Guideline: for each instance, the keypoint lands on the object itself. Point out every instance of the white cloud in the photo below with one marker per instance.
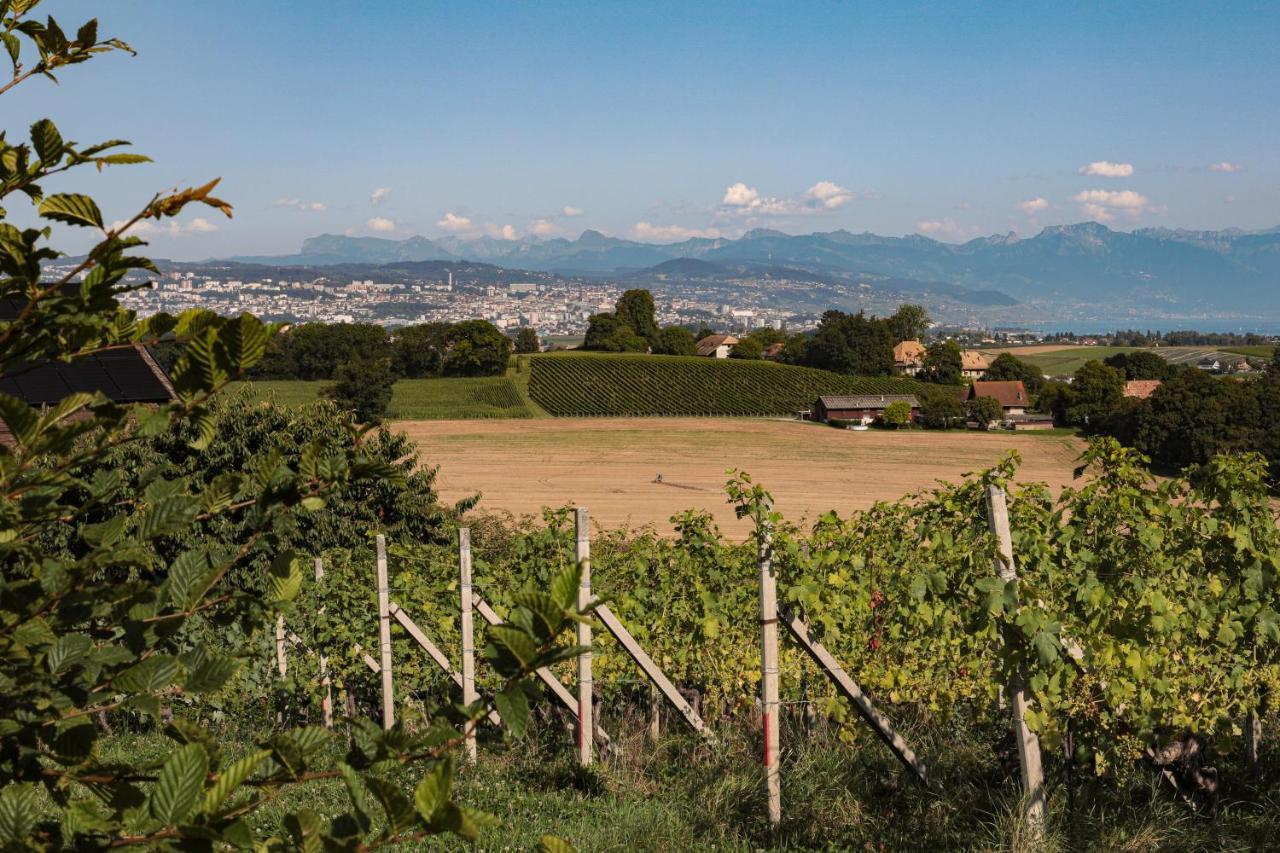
(941, 228)
(1224, 166)
(1104, 205)
(455, 224)
(1107, 169)
(741, 195)
(502, 232)
(1033, 205)
(299, 204)
(381, 224)
(669, 233)
(168, 228)
(742, 200)
(543, 228)
(570, 210)
(379, 195)
(830, 195)
(964, 205)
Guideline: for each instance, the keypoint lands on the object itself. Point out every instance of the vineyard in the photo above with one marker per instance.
(640, 385)
(1138, 618)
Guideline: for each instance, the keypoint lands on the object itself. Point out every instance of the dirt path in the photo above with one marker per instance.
(609, 465)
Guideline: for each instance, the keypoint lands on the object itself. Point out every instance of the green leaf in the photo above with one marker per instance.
(154, 673)
(564, 587)
(47, 142)
(209, 671)
(69, 649)
(285, 579)
(18, 813)
(22, 420)
(72, 209)
(179, 784)
(514, 640)
(554, 844)
(232, 778)
(400, 814)
(307, 829)
(513, 707)
(432, 792)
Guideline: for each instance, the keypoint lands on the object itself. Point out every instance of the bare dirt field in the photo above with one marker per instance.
(609, 465)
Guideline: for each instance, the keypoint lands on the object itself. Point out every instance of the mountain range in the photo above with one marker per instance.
(1063, 267)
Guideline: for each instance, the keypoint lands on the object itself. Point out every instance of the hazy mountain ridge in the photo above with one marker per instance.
(1085, 263)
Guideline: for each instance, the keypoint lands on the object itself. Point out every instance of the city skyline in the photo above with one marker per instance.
(662, 122)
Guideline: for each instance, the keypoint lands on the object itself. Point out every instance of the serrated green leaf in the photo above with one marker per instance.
(231, 778)
(432, 792)
(513, 707)
(179, 784)
(47, 142)
(284, 581)
(18, 813)
(72, 209)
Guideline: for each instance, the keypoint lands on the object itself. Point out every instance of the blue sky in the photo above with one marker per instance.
(661, 120)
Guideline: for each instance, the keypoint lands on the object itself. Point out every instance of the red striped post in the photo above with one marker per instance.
(769, 704)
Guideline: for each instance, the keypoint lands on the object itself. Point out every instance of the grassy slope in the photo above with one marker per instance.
(417, 399)
(599, 384)
(1068, 359)
(1263, 351)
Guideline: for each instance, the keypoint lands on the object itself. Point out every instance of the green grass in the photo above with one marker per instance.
(416, 399)
(1068, 359)
(839, 792)
(1263, 351)
(598, 384)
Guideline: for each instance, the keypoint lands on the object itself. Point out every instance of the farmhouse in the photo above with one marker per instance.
(716, 346)
(127, 375)
(908, 357)
(860, 408)
(1011, 395)
(1141, 389)
(973, 364)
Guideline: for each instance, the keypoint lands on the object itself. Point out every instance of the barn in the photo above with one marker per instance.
(860, 408)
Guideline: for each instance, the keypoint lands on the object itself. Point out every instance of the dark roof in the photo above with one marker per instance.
(866, 401)
(1010, 393)
(128, 375)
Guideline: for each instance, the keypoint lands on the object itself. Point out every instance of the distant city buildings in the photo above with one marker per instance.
(556, 307)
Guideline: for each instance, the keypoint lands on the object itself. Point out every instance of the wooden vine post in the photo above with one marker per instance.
(769, 704)
(469, 694)
(326, 681)
(384, 635)
(582, 553)
(1033, 789)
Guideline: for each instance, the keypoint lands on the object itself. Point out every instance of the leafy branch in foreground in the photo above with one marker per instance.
(104, 620)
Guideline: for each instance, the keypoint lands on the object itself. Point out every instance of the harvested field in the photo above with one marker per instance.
(609, 464)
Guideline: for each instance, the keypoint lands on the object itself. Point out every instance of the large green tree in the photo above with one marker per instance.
(477, 348)
(420, 350)
(1008, 367)
(363, 388)
(635, 309)
(943, 363)
(909, 323)
(1096, 392)
(676, 340)
(851, 343)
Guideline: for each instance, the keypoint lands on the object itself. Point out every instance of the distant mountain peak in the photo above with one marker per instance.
(761, 233)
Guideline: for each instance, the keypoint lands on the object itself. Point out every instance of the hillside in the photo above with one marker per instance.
(580, 384)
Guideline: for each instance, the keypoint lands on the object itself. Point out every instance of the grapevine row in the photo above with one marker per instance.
(643, 385)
